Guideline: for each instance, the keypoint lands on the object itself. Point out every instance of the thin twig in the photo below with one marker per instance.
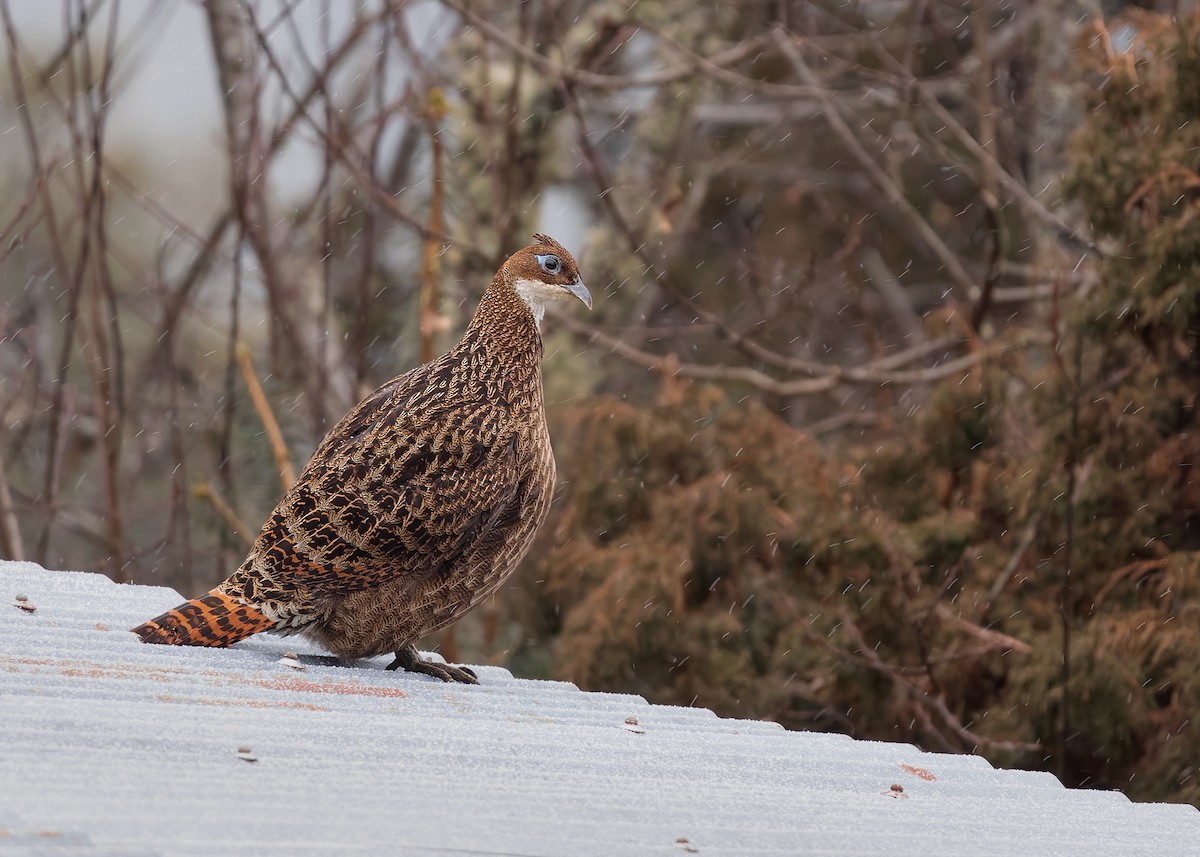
(991, 638)
(287, 475)
(205, 491)
(1014, 562)
(108, 353)
(1067, 595)
(656, 270)
(431, 319)
(234, 36)
(935, 705)
(882, 180)
(608, 82)
(869, 374)
(893, 294)
(58, 254)
(10, 533)
(1028, 202)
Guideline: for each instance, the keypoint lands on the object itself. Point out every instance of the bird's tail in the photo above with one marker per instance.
(215, 619)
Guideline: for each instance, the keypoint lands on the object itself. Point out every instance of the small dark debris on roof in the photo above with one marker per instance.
(21, 602)
(289, 659)
(631, 724)
(245, 755)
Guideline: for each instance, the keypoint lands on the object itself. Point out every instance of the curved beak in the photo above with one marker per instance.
(579, 290)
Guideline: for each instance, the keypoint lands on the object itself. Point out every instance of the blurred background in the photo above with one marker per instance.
(885, 419)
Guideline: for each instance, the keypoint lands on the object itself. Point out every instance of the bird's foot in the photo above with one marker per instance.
(410, 661)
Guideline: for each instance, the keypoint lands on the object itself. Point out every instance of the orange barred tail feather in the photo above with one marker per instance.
(215, 619)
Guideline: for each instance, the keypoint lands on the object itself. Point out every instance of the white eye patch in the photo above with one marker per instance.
(549, 263)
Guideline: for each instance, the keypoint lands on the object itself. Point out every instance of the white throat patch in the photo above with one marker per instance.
(536, 295)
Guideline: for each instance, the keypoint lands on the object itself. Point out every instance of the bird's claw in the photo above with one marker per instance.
(409, 661)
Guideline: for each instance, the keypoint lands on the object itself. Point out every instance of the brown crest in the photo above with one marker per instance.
(543, 238)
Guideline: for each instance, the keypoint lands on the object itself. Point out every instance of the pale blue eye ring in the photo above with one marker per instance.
(550, 264)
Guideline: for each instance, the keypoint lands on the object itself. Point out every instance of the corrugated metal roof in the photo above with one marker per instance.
(109, 746)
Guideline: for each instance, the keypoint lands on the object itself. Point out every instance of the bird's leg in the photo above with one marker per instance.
(408, 659)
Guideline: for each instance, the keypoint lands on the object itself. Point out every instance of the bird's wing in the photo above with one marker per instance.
(399, 489)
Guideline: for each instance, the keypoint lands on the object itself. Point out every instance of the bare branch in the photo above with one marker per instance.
(590, 80)
(204, 491)
(10, 533)
(884, 182)
(287, 475)
(870, 373)
(935, 705)
(893, 295)
(49, 496)
(1029, 203)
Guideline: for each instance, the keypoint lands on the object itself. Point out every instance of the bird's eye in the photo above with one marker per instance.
(550, 264)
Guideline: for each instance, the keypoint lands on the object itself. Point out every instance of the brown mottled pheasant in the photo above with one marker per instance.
(418, 504)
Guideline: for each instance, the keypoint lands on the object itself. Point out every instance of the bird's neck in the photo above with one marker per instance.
(500, 353)
(498, 361)
(504, 325)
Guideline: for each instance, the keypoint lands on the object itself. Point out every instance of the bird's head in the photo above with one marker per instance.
(544, 273)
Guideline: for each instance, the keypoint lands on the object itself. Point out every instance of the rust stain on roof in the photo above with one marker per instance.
(300, 685)
(216, 678)
(238, 703)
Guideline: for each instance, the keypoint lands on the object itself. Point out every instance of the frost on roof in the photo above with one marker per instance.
(109, 746)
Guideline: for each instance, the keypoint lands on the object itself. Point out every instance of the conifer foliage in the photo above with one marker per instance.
(1015, 571)
(885, 419)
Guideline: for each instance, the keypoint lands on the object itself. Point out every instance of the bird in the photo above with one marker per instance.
(416, 505)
